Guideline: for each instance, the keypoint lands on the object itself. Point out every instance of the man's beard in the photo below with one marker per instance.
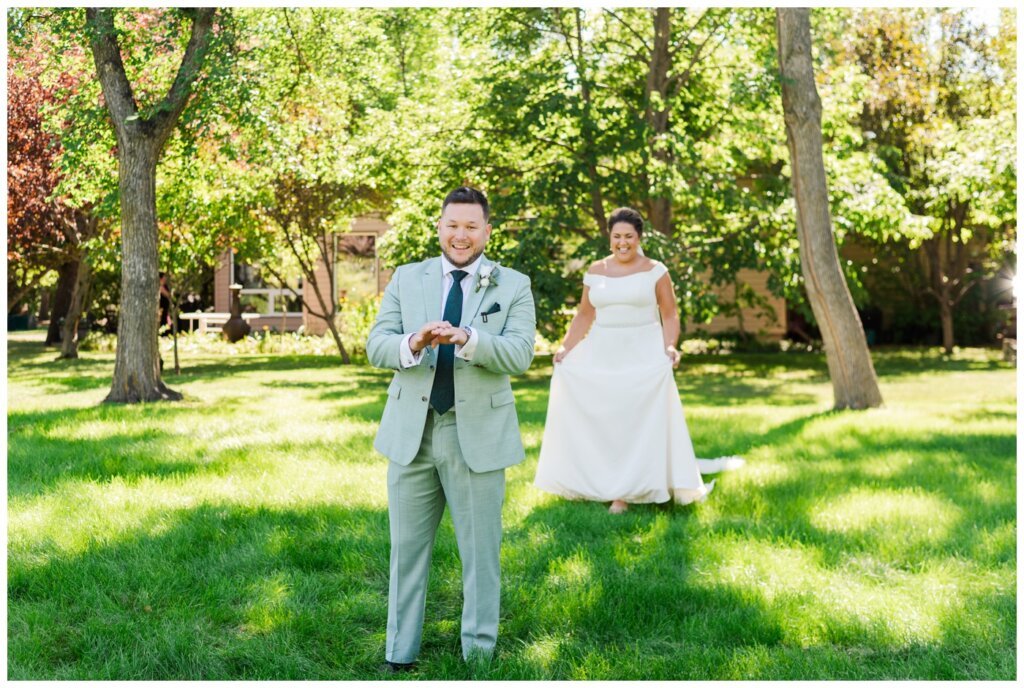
(462, 265)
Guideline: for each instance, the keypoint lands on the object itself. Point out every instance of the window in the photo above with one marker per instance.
(265, 296)
(356, 267)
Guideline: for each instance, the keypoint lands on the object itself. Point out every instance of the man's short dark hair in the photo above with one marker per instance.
(465, 194)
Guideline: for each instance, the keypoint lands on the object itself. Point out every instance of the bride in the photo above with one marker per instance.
(615, 429)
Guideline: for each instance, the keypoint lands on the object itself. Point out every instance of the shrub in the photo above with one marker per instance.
(354, 323)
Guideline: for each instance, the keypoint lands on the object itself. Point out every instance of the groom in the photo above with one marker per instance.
(453, 328)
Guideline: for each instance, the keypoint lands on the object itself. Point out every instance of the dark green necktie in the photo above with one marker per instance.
(442, 395)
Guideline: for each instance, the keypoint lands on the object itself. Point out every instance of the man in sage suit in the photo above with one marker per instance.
(454, 328)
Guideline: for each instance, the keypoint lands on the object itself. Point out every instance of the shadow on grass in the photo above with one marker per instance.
(943, 496)
(905, 361)
(721, 392)
(273, 363)
(30, 361)
(79, 374)
(591, 596)
(43, 451)
(224, 592)
(36, 466)
(585, 584)
(235, 592)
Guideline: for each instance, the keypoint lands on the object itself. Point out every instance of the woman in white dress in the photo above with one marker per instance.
(615, 428)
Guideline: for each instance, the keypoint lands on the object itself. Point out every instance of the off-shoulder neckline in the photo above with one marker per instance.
(657, 264)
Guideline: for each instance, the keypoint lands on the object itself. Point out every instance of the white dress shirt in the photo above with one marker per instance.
(406, 356)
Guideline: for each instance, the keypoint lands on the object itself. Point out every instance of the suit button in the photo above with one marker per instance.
(431, 367)
(423, 398)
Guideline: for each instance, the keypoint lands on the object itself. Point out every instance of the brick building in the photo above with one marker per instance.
(358, 273)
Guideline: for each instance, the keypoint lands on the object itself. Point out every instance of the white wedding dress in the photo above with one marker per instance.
(615, 427)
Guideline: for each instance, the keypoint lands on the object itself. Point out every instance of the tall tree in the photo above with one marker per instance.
(854, 382)
(305, 213)
(937, 112)
(322, 134)
(566, 113)
(681, 40)
(51, 223)
(201, 219)
(141, 135)
(35, 241)
(80, 232)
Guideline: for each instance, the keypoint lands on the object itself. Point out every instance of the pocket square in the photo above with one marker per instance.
(495, 308)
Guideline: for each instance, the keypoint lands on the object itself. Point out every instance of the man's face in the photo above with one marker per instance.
(463, 233)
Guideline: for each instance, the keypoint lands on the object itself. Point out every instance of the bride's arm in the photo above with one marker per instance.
(579, 326)
(669, 316)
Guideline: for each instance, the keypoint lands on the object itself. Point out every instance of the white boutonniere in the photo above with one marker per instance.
(485, 277)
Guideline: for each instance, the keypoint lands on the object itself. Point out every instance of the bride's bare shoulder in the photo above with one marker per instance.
(598, 267)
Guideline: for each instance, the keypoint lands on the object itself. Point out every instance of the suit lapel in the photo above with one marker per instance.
(432, 279)
(476, 296)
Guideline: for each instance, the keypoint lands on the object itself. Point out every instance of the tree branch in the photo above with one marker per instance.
(106, 54)
(684, 76)
(298, 52)
(629, 28)
(280, 279)
(578, 63)
(172, 105)
(630, 52)
(686, 37)
(534, 27)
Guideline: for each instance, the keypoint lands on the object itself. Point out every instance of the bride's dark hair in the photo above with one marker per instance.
(627, 215)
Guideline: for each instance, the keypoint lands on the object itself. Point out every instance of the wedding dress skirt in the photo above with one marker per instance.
(615, 427)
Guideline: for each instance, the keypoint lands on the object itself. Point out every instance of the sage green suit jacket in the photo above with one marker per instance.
(485, 413)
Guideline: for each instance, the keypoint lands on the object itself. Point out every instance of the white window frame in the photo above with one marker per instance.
(271, 294)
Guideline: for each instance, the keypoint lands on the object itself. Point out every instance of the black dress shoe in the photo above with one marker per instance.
(397, 667)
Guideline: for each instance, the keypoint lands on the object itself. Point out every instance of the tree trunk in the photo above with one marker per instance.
(140, 141)
(137, 364)
(946, 265)
(44, 305)
(79, 299)
(328, 311)
(337, 340)
(854, 383)
(588, 127)
(737, 296)
(174, 327)
(656, 113)
(946, 316)
(312, 275)
(67, 275)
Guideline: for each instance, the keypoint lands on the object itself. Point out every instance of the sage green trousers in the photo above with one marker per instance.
(417, 495)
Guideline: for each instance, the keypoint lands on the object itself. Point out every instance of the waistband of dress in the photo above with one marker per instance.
(627, 325)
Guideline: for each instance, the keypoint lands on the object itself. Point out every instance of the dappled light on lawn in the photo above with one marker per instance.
(906, 518)
(859, 601)
(268, 606)
(243, 532)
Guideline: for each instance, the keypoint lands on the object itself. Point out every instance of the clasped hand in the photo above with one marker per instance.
(438, 332)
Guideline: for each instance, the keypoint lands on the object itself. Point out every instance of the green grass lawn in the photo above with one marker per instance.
(243, 532)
